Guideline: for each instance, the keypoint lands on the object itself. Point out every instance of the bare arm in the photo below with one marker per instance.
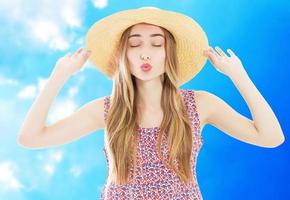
(35, 134)
(222, 116)
(264, 130)
(34, 122)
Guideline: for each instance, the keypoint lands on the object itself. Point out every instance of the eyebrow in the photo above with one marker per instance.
(152, 35)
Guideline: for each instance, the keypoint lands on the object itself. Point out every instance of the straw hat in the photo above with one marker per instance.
(103, 37)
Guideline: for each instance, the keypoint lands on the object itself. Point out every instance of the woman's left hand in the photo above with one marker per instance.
(230, 66)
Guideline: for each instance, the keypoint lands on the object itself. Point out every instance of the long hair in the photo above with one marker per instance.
(122, 118)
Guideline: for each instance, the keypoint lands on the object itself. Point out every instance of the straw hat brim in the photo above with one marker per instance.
(104, 35)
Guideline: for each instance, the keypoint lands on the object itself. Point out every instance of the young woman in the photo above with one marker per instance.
(152, 128)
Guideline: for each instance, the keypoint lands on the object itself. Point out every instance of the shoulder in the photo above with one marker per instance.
(208, 100)
(93, 113)
(203, 96)
(205, 105)
(99, 108)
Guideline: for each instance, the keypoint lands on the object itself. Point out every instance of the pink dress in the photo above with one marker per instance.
(153, 179)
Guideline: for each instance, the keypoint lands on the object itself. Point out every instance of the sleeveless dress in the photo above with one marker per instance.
(153, 179)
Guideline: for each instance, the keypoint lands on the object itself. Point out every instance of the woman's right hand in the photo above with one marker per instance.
(70, 64)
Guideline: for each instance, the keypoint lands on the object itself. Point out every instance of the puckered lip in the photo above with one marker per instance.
(146, 65)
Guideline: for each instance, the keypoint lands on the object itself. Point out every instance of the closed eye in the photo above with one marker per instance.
(152, 45)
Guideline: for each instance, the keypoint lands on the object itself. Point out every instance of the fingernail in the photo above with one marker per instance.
(88, 53)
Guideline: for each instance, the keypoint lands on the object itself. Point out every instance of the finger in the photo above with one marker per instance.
(215, 56)
(78, 51)
(212, 57)
(214, 52)
(68, 54)
(220, 51)
(206, 53)
(89, 53)
(86, 53)
(231, 52)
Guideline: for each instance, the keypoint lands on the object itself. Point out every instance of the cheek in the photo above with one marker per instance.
(160, 57)
(163, 55)
(132, 57)
(133, 61)
(160, 52)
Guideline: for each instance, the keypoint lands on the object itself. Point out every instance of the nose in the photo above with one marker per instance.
(144, 57)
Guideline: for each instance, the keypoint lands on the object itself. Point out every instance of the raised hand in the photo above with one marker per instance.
(228, 65)
(70, 64)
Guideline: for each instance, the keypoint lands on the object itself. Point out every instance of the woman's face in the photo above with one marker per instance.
(148, 41)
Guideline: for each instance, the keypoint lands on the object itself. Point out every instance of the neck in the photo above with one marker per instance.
(149, 94)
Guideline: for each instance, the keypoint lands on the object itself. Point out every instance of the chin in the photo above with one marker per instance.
(146, 77)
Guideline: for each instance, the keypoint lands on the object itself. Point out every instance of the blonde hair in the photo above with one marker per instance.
(122, 117)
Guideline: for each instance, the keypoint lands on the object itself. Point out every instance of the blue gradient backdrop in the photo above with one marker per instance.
(34, 35)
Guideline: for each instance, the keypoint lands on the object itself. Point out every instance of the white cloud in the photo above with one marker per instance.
(41, 83)
(90, 65)
(49, 32)
(57, 156)
(75, 171)
(50, 161)
(43, 21)
(28, 92)
(81, 78)
(69, 15)
(7, 81)
(8, 178)
(11, 11)
(49, 169)
(73, 91)
(61, 109)
(31, 91)
(80, 42)
(100, 3)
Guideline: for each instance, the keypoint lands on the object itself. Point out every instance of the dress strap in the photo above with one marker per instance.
(106, 106)
(190, 104)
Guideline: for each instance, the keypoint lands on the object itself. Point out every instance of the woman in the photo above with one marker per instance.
(152, 128)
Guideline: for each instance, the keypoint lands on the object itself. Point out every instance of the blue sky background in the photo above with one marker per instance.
(34, 34)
